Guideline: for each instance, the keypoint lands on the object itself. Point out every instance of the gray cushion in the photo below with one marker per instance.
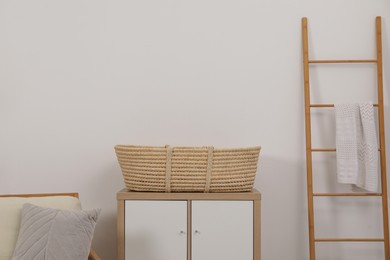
(11, 213)
(47, 233)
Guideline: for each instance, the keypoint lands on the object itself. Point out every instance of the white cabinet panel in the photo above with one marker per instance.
(222, 230)
(155, 230)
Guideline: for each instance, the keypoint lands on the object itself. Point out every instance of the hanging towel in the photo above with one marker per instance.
(368, 150)
(356, 146)
(347, 119)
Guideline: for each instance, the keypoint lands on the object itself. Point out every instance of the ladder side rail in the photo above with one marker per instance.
(382, 145)
(310, 205)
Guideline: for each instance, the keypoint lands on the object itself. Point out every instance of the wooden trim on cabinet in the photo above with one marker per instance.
(121, 230)
(133, 195)
(256, 230)
(189, 229)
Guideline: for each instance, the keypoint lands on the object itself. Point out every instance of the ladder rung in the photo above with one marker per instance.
(342, 61)
(349, 240)
(327, 149)
(330, 105)
(346, 194)
(324, 150)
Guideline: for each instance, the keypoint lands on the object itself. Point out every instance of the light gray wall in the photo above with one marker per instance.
(78, 77)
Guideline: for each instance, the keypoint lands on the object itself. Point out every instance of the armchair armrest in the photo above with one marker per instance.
(93, 255)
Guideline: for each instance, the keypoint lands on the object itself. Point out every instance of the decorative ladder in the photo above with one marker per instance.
(310, 150)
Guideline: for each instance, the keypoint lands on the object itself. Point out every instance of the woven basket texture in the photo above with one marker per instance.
(187, 169)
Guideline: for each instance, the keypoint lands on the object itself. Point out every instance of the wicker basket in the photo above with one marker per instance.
(187, 169)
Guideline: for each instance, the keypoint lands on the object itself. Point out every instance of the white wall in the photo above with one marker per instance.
(78, 77)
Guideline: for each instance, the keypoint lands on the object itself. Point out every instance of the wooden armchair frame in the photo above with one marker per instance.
(92, 253)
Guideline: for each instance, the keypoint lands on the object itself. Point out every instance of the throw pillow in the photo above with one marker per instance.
(47, 233)
(10, 216)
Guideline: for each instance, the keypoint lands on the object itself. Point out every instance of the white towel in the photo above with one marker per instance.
(356, 146)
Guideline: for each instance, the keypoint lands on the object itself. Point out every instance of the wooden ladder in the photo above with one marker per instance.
(309, 150)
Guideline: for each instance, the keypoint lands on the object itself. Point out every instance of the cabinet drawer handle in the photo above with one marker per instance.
(182, 232)
(197, 231)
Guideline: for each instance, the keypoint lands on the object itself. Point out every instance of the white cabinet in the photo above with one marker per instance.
(156, 230)
(222, 230)
(188, 226)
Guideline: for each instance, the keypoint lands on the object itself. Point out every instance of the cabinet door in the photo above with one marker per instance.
(155, 230)
(222, 230)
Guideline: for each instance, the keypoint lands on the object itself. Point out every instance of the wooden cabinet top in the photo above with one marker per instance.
(125, 194)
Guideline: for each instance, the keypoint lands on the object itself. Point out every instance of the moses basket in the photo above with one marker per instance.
(187, 169)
